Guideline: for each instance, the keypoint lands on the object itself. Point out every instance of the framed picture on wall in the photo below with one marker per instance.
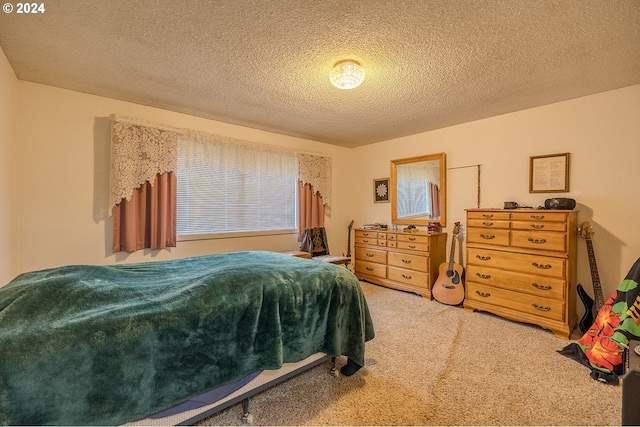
(381, 190)
(549, 174)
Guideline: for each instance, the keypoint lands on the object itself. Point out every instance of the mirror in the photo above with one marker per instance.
(418, 190)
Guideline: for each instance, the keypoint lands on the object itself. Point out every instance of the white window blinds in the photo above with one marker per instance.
(234, 187)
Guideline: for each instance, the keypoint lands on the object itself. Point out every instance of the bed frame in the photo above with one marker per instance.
(264, 381)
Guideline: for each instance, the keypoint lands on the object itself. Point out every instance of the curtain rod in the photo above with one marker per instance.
(201, 134)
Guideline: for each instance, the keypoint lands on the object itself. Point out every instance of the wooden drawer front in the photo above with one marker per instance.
(382, 236)
(487, 223)
(392, 244)
(371, 268)
(490, 237)
(366, 234)
(422, 247)
(539, 306)
(382, 243)
(544, 240)
(523, 263)
(372, 255)
(410, 277)
(489, 215)
(539, 216)
(413, 238)
(538, 225)
(537, 285)
(391, 236)
(412, 262)
(366, 241)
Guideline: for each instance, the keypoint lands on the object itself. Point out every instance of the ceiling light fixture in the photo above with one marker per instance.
(347, 74)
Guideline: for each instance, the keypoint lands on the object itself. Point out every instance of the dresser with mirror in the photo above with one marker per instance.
(408, 258)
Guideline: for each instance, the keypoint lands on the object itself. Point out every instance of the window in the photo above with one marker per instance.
(227, 188)
(416, 198)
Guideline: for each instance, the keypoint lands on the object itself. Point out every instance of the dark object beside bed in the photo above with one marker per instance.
(617, 323)
(112, 344)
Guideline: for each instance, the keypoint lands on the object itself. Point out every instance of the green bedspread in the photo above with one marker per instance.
(111, 344)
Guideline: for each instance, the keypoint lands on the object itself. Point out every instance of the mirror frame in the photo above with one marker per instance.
(443, 189)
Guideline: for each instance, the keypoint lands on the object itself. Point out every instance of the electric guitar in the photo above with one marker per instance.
(347, 250)
(448, 288)
(590, 309)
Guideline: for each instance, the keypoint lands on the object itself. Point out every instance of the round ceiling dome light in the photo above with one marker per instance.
(347, 74)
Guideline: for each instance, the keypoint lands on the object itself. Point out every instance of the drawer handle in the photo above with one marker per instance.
(537, 226)
(365, 234)
(483, 276)
(369, 255)
(541, 266)
(487, 224)
(365, 241)
(412, 246)
(537, 241)
(487, 215)
(412, 239)
(483, 294)
(483, 258)
(406, 261)
(541, 287)
(407, 277)
(537, 216)
(369, 268)
(541, 308)
(488, 236)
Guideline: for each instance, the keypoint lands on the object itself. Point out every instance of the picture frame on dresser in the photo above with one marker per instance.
(381, 190)
(549, 173)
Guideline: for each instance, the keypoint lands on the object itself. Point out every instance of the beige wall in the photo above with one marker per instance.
(602, 133)
(8, 138)
(62, 171)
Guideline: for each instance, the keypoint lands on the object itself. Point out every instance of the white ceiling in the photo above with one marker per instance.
(265, 64)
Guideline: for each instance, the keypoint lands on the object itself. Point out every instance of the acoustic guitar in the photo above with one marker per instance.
(448, 288)
(591, 306)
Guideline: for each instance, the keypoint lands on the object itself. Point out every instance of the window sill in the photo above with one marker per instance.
(235, 235)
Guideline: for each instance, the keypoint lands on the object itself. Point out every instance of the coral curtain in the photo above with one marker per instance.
(311, 208)
(435, 200)
(148, 219)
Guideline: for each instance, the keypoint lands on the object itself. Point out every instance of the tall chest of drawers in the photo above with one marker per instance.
(399, 260)
(521, 264)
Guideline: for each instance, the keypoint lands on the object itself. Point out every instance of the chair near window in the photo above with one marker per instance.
(314, 241)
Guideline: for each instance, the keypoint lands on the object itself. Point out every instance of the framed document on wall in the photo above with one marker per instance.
(549, 174)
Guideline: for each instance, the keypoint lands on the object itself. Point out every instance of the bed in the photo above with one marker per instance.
(107, 345)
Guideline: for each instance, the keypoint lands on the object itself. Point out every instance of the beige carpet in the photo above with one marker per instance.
(432, 364)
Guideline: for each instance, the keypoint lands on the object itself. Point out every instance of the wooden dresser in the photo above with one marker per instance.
(399, 260)
(521, 264)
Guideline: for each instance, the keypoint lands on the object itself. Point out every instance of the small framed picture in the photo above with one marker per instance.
(549, 174)
(381, 190)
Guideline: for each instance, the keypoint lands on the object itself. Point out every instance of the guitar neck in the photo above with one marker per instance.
(453, 252)
(598, 297)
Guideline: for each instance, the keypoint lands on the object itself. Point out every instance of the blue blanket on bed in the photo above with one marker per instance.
(111, 344)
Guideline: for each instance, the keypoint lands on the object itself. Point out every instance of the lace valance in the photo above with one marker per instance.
(316, 170)
(219, 152)
(138, 154)
(140, 151)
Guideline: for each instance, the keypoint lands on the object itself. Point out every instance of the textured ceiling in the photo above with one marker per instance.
(265, 64)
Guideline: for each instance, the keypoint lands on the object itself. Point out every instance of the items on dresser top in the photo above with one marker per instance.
(522, 265)
(399, 260)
